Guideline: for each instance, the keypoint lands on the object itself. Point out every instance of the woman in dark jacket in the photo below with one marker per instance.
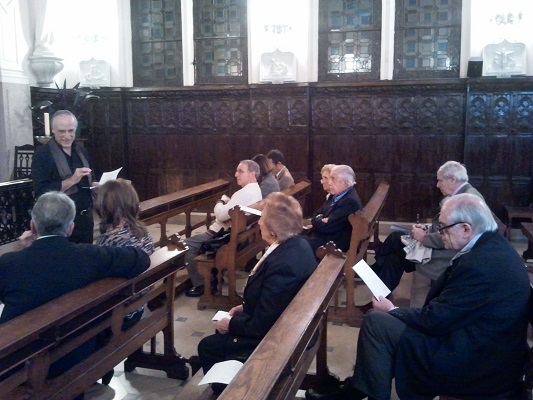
(271, 286)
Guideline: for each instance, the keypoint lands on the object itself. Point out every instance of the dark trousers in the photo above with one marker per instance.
(390, 261)
(376, 351)
(216, 348)
(83, 227)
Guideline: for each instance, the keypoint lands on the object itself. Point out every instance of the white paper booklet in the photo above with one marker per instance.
(107, 176)
(376, 285)
(250, 210)
(222, 372)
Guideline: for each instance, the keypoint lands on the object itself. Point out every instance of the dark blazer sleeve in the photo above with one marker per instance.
(44, 172)
(272, 289)
(118, 262)
(338, 216)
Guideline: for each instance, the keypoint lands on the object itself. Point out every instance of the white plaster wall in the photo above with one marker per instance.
(97, 29)
(484, 29)
(15, 116)
(294, 19)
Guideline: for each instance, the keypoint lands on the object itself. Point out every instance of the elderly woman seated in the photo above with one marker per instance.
(272, 284)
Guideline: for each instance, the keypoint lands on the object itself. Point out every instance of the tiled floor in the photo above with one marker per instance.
(191, 325)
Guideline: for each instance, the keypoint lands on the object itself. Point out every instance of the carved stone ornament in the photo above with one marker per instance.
(504, 59)
(45, 68)
(94, 73)
(277, 67)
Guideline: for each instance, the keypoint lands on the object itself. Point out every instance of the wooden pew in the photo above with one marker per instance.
(279, 365)
(362, 233)
(244, 245)
(160, 209)
(30, 343)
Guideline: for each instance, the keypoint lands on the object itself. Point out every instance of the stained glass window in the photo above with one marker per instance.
(427, 41)
(349, 40)
(220, 41)
(156, 42)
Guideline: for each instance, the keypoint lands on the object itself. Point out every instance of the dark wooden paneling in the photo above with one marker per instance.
(499, 140)
(402, 131)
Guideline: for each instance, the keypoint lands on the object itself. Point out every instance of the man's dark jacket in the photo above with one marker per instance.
(469, 339)
(53, 266)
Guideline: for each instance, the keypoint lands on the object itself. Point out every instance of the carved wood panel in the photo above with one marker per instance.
(499, 143)
(400, 133)
(169, 139)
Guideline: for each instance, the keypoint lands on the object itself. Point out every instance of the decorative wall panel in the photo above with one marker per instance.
(16, 202)
(174, 138)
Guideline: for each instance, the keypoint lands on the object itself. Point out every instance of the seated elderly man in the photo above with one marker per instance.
(391, 261)
(52, 266)
(330, 222)
(246, 174)
(469, 340)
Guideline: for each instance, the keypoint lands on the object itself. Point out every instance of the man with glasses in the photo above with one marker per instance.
(250, 192)
(469, 340)
(391, 262)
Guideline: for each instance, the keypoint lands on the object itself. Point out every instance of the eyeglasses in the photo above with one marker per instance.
(442, 228)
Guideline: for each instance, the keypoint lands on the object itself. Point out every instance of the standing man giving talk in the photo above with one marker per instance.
(63, 165)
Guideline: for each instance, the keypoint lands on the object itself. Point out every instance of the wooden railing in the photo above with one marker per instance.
(160, 209)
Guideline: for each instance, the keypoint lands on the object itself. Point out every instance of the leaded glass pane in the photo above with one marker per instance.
(220, 41)
(350, 39)
(427, 38)
(157, 54)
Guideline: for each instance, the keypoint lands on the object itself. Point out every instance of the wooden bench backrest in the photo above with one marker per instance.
(160, 209)
(279, 364)
(299, 191)
(360, 236)
(244, 245)
(244, 229)
(45, 334)
(363, 223)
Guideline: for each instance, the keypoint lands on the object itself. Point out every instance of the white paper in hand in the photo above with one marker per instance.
(376, 285)
(222, 372)
(107, 176)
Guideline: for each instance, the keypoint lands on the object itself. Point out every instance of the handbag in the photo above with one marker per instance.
(210, 247)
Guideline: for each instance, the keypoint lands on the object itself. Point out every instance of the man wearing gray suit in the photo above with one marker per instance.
(452, 179)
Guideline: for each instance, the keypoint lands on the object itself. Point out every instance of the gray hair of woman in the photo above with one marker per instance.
(327, 168)
(53, 213)
(282, 215)
(472, 210)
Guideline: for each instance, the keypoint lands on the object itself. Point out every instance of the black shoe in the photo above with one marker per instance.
(345, 392)
(106, 379)
(195, 291)
(195, 364)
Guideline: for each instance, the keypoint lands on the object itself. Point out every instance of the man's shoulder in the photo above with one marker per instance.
(42, 151)
(468, 188)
